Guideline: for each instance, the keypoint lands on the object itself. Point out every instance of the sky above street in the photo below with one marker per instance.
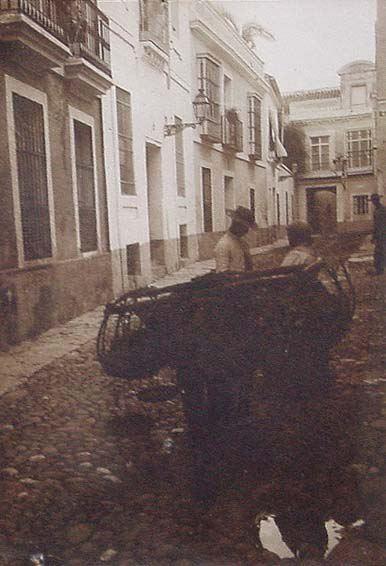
(313, 38)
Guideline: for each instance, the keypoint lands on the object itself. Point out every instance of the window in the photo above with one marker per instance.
(359, 149)
(278, 208)
(358, 95)
(209, 81)
(254, 126)
(32, 177)
(207, 199)
(320, 153)
(180, 164)
(125, 142)
(184, 252)
(133, 259)
(229, 194)
(85, 184)
(252, 202)
(360, 204)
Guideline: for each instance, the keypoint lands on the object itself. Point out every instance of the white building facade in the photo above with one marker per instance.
(336, 176)
(168, 194)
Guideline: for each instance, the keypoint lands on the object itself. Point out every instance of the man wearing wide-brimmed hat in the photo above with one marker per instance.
(232, 250)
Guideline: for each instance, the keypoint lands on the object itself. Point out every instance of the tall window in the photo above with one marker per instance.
(252, 202)
(125, 142)
(278, 208)
(207, 199)
(360, 205)
(133, 257)
(254, 126)
(320, 153)
(180, 162)
(183, 241)
(359, 148)
(209, 81)
(32, 177)
(85, 186)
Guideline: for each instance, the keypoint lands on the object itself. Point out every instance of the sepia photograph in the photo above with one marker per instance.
(192, 282)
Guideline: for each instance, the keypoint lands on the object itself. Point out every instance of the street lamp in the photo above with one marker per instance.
(201, 107)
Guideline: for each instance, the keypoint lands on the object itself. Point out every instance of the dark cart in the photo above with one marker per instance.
(217, 330)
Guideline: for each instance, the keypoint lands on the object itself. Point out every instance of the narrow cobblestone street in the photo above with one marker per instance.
(90, 474)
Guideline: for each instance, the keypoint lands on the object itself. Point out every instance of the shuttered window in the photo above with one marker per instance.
(32, 177)
(125, 142)
(207, 199)
(254, 126)
(85, 186)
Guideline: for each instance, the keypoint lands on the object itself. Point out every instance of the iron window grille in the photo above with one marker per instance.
(32, 178)
(360, 205)
(125, 142)
(85, 187)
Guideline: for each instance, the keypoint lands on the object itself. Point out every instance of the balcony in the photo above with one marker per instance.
(154, 31)
(232, 132)
(33, 33)
(43, 34)
(211, 131)
(89, 68)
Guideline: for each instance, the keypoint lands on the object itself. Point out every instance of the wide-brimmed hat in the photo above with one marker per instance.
(244, 215)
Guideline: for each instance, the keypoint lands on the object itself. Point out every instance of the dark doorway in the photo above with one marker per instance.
(321, 209)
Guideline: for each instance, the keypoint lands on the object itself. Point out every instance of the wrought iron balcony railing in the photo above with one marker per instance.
(79, 24)
(88, 33)
(50, 14)
(232, 131)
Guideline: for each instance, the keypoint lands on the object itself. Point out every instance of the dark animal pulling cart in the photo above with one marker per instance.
(217, 330)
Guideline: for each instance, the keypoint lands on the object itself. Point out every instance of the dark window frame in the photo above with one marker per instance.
(32, 172)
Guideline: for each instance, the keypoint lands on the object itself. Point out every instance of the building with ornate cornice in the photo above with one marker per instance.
(380, 113)
(237, 152)
(335, 169)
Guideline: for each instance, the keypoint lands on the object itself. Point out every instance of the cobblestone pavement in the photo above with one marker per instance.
(90, 474)
(23, 360)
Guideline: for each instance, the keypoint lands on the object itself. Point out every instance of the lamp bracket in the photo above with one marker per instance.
(173, 129)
